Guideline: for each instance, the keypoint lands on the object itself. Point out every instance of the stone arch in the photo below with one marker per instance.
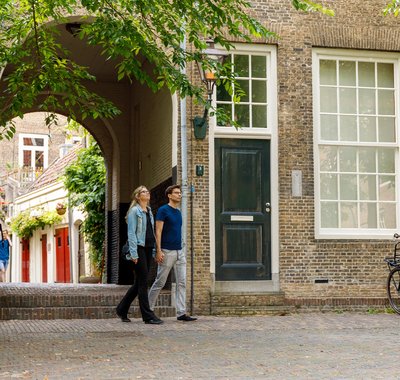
(136, 145)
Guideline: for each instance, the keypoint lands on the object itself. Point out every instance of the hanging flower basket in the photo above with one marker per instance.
(61, 209)
(24, 224)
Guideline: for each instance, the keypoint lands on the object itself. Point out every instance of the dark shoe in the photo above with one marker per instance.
(186, 318)
(124, 318)
(154, 322)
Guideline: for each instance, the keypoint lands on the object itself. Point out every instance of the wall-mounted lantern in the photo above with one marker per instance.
(209, 78)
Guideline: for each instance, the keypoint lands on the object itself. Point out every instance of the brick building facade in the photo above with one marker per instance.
(326, 267)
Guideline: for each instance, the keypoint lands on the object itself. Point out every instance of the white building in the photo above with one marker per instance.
(54, 253)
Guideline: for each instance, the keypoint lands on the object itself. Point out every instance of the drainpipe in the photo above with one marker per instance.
(184, 202)
(71, 242)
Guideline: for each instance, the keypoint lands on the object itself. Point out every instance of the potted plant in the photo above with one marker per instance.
(61, 208)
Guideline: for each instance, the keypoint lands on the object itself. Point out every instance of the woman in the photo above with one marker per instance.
(141, 247)
(5, 244)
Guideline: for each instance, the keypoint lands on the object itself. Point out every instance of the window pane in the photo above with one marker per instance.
(259, 91)
(28, 141)
(386, 160)
(27, 158)
(347, 159)
(39, 160)
(347, 73)
(228, 110)
(244, 86)
(387, 188)
(366, 101)
(368, 215)
(348, 187)
(367, 128)
(38, 142)
(367, 160)
(386, 102)
(385, 75)
(242, 115)
(328, 99)
(259, 116)
(329, 127)
(348, 215)
(258, 66)
(329, 215)
(347, 100)
(387, 215)
(241, 65)
(329, 186)
(348, 128)
(327, 72)
(387, 131)
(222, 94)
(368, 187)
(366, 74)
(328, 158)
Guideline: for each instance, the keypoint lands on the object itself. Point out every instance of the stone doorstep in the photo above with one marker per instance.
(248, 299)
(252, 310)
(277, 303)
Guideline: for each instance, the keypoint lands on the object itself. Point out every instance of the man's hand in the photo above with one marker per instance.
(159, 257)
(135, 261)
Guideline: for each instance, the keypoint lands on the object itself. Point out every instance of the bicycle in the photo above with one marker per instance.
(393, 280)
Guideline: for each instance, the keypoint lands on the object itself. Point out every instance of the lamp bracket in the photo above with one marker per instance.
(200, 125)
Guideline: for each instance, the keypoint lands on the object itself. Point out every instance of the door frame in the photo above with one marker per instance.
(271, 134)
(250, 286)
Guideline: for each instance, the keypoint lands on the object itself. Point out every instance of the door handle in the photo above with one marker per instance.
(268, 207)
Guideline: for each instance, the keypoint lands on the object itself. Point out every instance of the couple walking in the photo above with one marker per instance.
(167, 244)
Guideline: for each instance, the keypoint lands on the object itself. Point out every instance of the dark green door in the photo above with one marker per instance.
(242, 210)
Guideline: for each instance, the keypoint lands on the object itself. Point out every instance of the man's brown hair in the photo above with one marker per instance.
(171, 188)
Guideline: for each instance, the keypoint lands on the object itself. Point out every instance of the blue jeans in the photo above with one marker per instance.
(3, 265)
(176, 259)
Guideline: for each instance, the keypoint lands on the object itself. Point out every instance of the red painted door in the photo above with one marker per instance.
(25, 260)
(44, 258)
(63, 272)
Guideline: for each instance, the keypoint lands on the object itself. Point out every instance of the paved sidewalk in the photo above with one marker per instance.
(304, 346)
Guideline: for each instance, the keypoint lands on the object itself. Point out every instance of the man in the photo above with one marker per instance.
(169, 252)
(5, 244)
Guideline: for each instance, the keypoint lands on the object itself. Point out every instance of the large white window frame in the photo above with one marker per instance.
(380, 231)
(33, 149)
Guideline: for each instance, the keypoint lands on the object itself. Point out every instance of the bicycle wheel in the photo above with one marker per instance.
(393, 289)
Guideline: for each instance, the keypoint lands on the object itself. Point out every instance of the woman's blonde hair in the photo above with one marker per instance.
(135, 198)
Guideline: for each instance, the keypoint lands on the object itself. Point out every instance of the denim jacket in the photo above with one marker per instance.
(137, 229)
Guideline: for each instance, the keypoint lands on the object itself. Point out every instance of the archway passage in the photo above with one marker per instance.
(137, 145)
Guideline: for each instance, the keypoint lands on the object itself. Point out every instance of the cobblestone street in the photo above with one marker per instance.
(304, 346)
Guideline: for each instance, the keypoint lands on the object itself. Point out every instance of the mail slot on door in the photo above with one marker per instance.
(242, 218)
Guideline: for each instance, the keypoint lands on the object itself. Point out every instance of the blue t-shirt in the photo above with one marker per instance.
(171, 237)
(4, 250)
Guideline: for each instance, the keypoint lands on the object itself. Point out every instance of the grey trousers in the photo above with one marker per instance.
(177, 260)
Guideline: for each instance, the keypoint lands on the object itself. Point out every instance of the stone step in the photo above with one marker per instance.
(269, 303)
(75, 312)
(70, 301)
(248, 299)
(252, 310)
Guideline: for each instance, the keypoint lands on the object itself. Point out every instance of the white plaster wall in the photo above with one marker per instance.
(46, 199)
